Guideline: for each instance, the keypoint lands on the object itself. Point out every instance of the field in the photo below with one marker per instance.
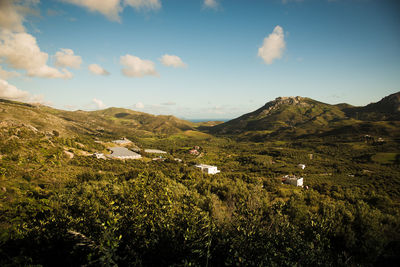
(141, 212)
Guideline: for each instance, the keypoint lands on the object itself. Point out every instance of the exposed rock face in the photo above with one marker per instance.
(283, 100)
(289, 100)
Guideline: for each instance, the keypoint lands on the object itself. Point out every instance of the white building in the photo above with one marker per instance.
(293, 180)
(99, 155)
(208, 168)
(154, 151)
(302, 166)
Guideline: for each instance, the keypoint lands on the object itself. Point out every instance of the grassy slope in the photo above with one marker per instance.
(108, 122)
(300, 117)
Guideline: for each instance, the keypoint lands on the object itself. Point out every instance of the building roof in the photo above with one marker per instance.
(118, 152)
(292, 177)
(155, 151)
(205, 166)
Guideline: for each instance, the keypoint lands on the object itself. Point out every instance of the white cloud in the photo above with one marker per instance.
(12, 14)
(136, 67)
(4, 74)
(172, 61)
(210, 4)
(66, 58)
(98, 70)
(170, 103)
(20, 51)
(139, 105)
(144, 4)
(99, 104)
(109, 8)
(273, 46)
(9, 91)
(112, 8)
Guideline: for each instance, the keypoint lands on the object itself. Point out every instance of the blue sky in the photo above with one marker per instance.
(332, 51)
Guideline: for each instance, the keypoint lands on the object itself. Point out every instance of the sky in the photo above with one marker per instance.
(195, 59)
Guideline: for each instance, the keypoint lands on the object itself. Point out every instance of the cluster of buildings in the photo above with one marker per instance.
(120, 152)
(124, 153)
(368, 139)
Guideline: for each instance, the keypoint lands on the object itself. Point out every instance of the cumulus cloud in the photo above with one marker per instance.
(136, 67)
(273, 46)
(98, 70)
(172, 61)
(109, 8)
(4, 74)
(139, 105)
(12, 14)
(10, 92)
(66, 58)
(112, 8)
(210, 4)
(99, 104)
(20, 51)
(144, 4)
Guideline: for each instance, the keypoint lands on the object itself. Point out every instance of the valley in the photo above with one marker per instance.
(57, 200)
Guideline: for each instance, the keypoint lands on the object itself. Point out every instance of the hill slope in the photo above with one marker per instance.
(111, 121)
(387, 109)
(299, 116)
(285, 113)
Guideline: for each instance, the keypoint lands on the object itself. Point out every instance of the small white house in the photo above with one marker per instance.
(99, 155)
(293, 180)
(302, 166)
(208, 168)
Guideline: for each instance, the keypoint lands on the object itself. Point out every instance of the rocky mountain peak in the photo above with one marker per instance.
(289, 100)
(283, 100)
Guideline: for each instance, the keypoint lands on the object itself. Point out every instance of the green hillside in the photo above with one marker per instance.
(61, 206)
(298, 117)
(387, 109)
(108, 122)
(286, 114)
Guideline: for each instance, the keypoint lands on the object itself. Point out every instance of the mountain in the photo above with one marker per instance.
(111, 121)
(301, 116)
(388, 109)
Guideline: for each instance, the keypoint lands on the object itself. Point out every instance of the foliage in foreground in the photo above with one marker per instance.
(57, 211)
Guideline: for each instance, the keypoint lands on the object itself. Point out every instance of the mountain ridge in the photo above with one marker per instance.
(294, 116)
(100, 122)
(300, 116)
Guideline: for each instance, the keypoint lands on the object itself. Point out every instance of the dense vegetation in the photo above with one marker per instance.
(61, 207)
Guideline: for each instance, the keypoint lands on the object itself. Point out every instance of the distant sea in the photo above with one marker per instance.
(202, 120)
